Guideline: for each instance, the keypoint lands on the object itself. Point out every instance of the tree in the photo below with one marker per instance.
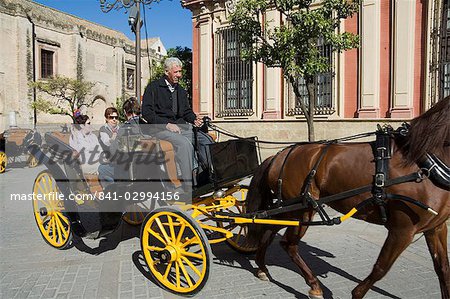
(68, 95)
(293, 45)
(185, 55)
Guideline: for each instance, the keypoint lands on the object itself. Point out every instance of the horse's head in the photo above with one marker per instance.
(427, 133)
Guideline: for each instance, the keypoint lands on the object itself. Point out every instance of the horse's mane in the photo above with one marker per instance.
(429, 133)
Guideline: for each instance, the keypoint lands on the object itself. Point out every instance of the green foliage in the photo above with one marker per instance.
(157, 71)
(293, 45)
(67, 95)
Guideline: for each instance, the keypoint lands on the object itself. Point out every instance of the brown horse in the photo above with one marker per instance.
(347, 166)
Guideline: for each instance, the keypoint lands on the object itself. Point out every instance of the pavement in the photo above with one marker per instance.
(113, 267)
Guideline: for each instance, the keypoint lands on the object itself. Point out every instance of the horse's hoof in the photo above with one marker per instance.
(262, 275)
(315, 294)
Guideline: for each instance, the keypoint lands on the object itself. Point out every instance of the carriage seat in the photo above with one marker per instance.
(17, 136)
(62, 139)
(169, 157)
(146, 143)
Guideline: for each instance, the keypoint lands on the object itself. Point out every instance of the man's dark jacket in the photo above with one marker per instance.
(157, 104)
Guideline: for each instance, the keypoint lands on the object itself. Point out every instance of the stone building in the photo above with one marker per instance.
(38, 42)
(401, 68)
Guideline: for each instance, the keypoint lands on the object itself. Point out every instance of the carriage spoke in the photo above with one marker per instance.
(177, 274)
(180, 233)
(169, 266)
(155, 248)
(49, 226)
(41, 221)
(41, 189)
(163, 230)
(53, 229)
(41, 184)
(156, 235)
(61, 216)
(46, 204)
(172, 231)
(193, 255)
(60, 224)
(189, 242)
(188, 262)
(186, 275)
(58, 228)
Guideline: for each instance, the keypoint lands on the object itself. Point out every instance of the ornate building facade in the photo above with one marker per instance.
(400, 69)
(39, 42)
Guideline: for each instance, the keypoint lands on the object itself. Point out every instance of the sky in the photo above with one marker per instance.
(166, 19)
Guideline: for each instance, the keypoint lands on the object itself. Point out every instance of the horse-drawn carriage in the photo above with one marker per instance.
(175, 237)
(377, 182)
(12, 147)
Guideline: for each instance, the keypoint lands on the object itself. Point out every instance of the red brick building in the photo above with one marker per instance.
(400, 69)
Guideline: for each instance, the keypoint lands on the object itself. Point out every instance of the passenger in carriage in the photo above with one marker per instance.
(107, 135)
(132, 110)
(89, 150)
(166, 104)
(108, 132)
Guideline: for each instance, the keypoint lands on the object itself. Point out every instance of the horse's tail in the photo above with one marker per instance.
(257, 198)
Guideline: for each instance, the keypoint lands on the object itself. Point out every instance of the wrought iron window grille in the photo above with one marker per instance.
(234, 77)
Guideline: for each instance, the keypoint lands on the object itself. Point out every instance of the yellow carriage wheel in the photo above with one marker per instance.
(3, 161)
(239, 240)
(48, 212)
(32, 161)
(135, 214)
(176, 250)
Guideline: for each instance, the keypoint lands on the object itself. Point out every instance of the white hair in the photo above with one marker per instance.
(171, 62)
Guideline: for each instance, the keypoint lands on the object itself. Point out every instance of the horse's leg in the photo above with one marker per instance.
(290, 243)
(396, 242)
(260, 258)
(437, 245)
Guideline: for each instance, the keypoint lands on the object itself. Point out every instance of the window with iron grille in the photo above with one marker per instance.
(130, 78)
(444, 69)
(46, 63)
(234, 77)
(324, 102)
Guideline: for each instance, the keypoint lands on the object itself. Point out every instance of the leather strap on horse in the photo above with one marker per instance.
(280, 175)
(304, 192)
(382, 154)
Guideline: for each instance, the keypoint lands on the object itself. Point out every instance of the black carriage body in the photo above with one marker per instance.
(135, 168)
(232, 160)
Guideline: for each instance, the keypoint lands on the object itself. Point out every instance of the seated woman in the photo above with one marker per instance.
(89, 150)
(108, 132)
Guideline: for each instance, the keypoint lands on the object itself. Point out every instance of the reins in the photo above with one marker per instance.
(338, 140)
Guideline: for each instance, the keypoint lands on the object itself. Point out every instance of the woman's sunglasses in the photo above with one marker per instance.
(113, 117)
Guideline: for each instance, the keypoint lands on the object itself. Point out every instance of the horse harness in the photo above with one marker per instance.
(382, 151)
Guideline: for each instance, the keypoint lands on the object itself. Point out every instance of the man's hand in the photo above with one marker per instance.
(198, 122)
(173, 128)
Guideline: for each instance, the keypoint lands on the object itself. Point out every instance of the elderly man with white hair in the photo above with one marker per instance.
(166, 105)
